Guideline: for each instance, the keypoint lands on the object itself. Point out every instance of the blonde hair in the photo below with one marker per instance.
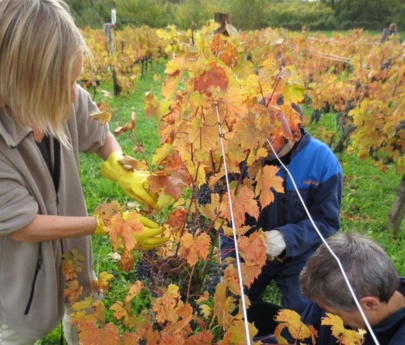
(39, 43)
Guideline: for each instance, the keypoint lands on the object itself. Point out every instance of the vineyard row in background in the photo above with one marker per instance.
(246, 15)
(343, 73)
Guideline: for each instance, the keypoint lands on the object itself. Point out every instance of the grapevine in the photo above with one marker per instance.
(253, 80)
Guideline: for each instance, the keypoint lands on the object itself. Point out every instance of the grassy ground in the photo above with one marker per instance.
(367, 197)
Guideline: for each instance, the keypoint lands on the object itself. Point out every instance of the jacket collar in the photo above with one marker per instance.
(10, 131)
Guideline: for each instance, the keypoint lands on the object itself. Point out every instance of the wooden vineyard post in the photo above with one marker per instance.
(108, 28)
(397, 212)
(225, 26)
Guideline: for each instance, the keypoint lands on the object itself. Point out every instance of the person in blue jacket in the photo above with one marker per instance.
(372, 276)
(393, 32)
(291, 236)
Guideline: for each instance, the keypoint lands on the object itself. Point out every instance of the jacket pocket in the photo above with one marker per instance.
(37, 268)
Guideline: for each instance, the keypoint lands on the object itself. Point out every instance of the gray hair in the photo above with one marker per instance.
(39, 43)
(368, 268)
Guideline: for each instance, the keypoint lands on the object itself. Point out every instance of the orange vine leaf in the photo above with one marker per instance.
(127, 261)
(91, 334)
(243, 202)
(192, 248)
(204, 337)
(266, 181)
(120, 312)
(177, 218)
(129, 126)
(73, 291)
(252, 249)
(214, 76)
(134, 290)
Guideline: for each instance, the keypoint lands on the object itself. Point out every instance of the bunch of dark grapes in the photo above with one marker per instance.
(149, 273)
(191, 226)
(280, 100)
(143, 269)
(204, 195)
(213, 277)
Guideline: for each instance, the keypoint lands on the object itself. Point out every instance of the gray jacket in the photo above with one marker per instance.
(31, 291)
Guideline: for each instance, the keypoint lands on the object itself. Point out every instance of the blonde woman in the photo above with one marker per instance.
(44, 124)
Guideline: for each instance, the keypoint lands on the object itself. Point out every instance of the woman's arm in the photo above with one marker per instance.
(48, 227)
(110, 145)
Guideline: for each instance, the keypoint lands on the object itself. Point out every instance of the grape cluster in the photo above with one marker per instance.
(204, 195)
(191, 226)
(213, 277)
(149, 273)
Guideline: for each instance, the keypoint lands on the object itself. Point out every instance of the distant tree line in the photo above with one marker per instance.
(246, 15)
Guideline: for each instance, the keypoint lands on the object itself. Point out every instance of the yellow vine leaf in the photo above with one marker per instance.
(206, 310)
(292, 320)
(238, 333)
(220, 302)
(161, 153)
(344, 336)
(98, 310)
(170, 85)
(152, 105)
(83, 304)
(103, 282)
(103, 117)
(120, 312)
(165, 306)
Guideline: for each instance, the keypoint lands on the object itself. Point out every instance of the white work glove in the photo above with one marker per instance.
(275, 244)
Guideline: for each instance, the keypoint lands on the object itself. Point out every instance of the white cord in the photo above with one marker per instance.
(327, 246)
(246, 322)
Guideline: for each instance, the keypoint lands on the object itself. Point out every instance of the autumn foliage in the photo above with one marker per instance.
(221, 100)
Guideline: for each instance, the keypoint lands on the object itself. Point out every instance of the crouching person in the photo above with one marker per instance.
(378, 288)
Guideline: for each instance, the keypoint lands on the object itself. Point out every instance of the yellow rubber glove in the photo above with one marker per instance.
(100, 228)
(134, 183)
(150, 238)
(152, 233)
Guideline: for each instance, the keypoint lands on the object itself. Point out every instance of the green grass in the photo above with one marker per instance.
(367, 196)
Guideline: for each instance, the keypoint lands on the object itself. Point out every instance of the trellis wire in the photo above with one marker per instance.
(221, 137)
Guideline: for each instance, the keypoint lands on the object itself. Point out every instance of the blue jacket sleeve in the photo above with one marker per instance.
(318, 177)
